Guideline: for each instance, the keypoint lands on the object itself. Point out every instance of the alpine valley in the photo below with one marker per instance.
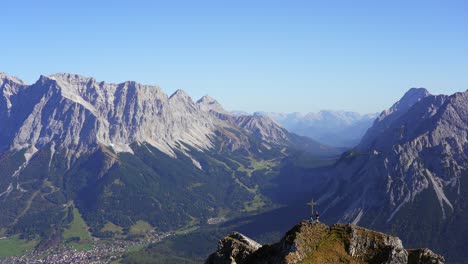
(124, 159)
(85, 162)
(407, 177)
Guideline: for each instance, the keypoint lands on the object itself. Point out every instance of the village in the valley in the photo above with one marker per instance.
(102, 251)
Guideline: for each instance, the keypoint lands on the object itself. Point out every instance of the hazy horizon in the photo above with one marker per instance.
(264, 56)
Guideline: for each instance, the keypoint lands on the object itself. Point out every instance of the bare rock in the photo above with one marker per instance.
(424, 256)
(234, 248)
(318, 243)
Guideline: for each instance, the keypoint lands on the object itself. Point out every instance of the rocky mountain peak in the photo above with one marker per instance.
(9, 85)
(318, 243)
(180, 95)
(7, 78)
(411, 97)
(263, 127)
(206, 100)
(70, 78)
(388, 116)
(207, 103)
(415, 94)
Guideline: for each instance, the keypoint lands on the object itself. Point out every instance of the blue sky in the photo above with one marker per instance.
(279, 56)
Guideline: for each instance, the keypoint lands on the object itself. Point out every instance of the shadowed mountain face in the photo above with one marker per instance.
(334, 128)
(408, 176)
(123, 153)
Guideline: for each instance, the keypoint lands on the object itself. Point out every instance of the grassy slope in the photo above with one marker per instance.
(77, 234)
(140, 228)
(13, 246)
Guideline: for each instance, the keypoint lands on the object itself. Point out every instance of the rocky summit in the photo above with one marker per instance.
(318, 243)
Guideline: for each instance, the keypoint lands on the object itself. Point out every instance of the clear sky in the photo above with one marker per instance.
(282, 56)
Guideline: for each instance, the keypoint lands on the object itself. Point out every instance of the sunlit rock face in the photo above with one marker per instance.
(408, 174)
(79, 113)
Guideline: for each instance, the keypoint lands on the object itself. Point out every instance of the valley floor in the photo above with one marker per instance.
(102, 251)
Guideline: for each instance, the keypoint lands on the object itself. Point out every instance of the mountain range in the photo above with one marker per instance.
(123, 154)
(408, 175)
(334, 128)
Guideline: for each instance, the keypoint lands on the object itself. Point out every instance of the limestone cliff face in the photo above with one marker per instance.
(78, 114)
(318, 243)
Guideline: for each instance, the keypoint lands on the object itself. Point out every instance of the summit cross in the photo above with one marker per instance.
(312, 204)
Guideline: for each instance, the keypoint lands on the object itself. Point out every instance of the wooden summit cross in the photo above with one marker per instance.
(312, 204)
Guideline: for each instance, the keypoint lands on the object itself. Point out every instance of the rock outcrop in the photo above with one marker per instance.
(318, 243)
(424, 256)
(234, 248)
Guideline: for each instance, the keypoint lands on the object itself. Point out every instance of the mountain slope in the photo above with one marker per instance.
(127, 153)
(408, 175)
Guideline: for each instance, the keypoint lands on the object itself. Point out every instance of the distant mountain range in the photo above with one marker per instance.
(334, 128)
